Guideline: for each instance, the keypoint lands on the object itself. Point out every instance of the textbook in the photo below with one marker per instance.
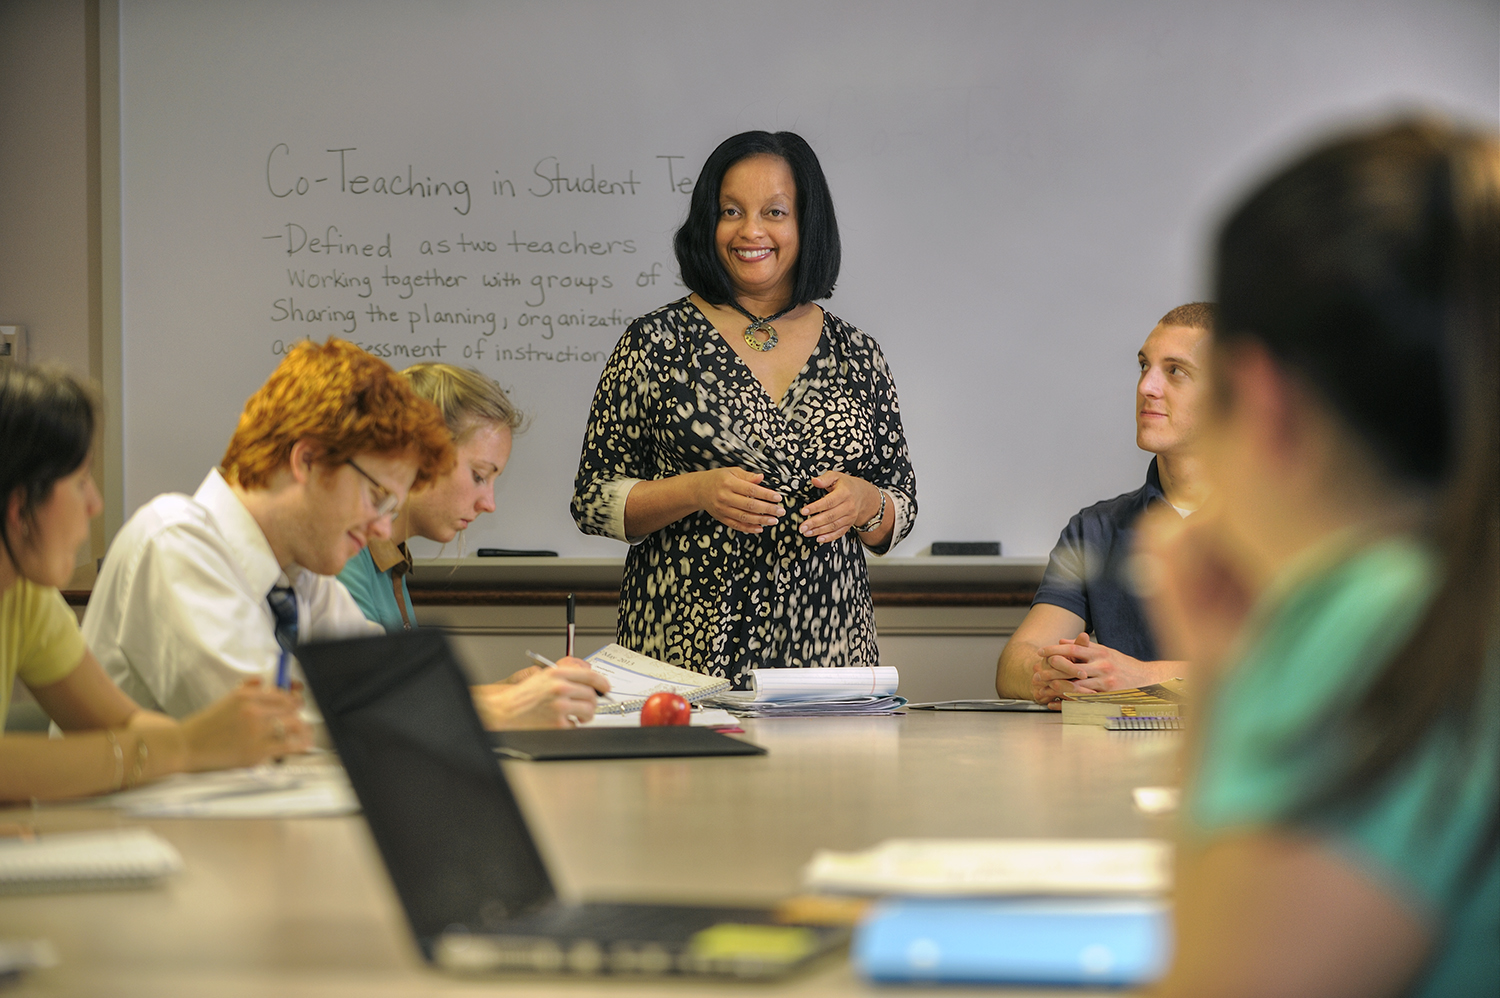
(973, 867)
(816, 692)
(634, 677)
(1048, 941)
(86, 861)
(1168, 691)
(1165, 699)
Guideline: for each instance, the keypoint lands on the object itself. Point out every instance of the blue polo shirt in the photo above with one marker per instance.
(1087, 572)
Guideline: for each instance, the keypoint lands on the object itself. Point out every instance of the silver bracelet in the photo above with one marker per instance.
(865, 528)
(114, 743)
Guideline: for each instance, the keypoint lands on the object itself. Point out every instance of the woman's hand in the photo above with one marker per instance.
(735, 498)
(249, 726)
(549, 698)
(849, 501)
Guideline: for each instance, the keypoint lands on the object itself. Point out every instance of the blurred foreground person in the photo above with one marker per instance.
(46, 429)
(1339, 599)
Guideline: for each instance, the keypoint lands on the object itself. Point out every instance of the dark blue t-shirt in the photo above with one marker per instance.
(1087, 572)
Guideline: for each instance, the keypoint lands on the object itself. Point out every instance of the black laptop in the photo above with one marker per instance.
(456, 846)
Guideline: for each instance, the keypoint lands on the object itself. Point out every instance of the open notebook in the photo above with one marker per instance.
(634, 677)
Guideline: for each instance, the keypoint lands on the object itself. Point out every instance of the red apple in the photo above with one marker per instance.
(665, 710)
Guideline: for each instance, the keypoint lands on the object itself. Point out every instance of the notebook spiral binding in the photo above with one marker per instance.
(1143, 724)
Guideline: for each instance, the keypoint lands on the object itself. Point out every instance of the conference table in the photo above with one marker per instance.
(292, 907)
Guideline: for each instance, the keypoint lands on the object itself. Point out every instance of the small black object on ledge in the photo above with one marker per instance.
(514, 553)
(966, 547)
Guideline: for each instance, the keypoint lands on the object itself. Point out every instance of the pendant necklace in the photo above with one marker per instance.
(756, 325)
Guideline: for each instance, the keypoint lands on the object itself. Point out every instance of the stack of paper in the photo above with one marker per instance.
(307, 790)
(990, 706)
(954, 867)
(816, 693)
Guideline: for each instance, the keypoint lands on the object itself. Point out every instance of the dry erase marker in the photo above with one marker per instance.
(571, 604)
(283, 673)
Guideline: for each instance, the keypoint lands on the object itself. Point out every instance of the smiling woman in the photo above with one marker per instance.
(740, 434)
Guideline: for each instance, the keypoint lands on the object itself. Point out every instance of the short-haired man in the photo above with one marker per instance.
(198, 594)
(1086, 588)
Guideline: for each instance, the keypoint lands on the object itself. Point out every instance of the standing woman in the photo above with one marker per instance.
(46, 429)
(483, 422)
(1342, 821)
(746, 443)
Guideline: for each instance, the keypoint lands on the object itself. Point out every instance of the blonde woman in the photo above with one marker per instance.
(483, 421)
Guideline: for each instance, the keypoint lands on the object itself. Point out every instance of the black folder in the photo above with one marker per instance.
(617, 743)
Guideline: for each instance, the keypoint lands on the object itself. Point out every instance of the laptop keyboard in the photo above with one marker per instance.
(638, 939)
(607, 923)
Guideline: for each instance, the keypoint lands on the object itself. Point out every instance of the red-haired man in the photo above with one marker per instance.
(200, 593)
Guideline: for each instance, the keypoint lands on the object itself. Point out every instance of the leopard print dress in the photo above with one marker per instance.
(675, 398)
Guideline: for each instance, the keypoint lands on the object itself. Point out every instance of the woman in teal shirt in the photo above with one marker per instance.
(483, 422)
(1342, 810)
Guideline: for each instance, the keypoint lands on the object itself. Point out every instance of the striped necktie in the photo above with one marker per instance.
(283, 602)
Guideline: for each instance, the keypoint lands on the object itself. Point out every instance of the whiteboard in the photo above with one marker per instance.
(1023, 188)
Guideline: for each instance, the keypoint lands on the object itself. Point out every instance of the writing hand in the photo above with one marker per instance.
(250, 725)
(549, 698)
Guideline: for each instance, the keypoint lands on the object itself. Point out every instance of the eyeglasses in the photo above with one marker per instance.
(382, 499)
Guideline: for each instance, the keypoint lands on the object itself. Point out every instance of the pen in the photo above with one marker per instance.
(571, 604)
(283, 674)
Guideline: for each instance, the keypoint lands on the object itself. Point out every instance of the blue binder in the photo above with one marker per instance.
(1060, 941)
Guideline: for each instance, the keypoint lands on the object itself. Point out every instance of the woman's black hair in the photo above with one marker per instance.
(1371, 269)
(46, 430)
(817, 228)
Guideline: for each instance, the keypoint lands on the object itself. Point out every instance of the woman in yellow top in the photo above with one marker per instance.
(46, 429)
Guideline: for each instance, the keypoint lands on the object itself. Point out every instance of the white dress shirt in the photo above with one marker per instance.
(179, 617)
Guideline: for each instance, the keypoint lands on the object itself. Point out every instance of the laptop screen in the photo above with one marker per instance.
(447, 825)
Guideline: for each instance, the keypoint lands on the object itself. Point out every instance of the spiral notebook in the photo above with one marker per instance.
(634, 677)
(86, 861)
